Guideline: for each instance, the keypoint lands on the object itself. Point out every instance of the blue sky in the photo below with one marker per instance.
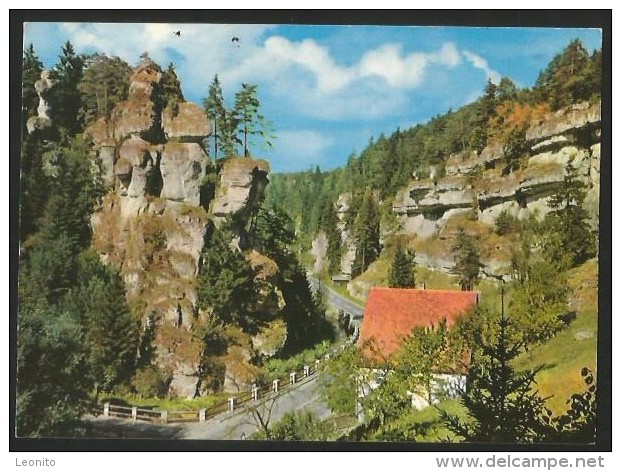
(327, 89)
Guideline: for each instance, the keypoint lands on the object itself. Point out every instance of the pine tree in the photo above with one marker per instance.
(572, 239)
(104, 83)
(64, 96)
(539, 288)
(225, 280)
(214, 108)
(366, 233)
(467, 260)
(329, 224)
(109, 331)
(484, 111)
(564, 81)
(249, 121)
(171, 89)
(502, 404)
(401, 274)
(31, 72)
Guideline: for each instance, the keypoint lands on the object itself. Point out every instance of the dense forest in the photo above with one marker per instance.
(80, 338)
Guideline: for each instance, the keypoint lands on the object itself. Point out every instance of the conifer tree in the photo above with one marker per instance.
(565, 79)
(214, 108)
(225, 280)
(31, 72)
(171, 89)
(329, 224)
(502, 404)
(64, 96)
(104, 83)
(401, 274)
(249, 122)
(366, 233)
(467, 260)
(573, 239)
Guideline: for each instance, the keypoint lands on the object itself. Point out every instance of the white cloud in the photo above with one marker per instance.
(301, 148)
(480, 63)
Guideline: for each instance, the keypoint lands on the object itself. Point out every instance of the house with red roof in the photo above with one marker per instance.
(391, 314)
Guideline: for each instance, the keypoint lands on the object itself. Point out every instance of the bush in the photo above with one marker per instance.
(149, 382)
(506, 223)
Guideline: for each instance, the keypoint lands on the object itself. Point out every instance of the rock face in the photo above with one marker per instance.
(152, 224)
(566, 137)
(475, 185)
(42, 120)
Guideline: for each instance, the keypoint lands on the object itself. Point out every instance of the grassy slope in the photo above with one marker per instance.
(573, 348)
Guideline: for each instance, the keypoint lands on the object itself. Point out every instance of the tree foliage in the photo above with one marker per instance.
(225, 279)
(31, 72)
(571, 76)
(249, 122)
(65, 96)
(214, 108)
(571, 237)
(103, 85)
(366, 234)
(401, 273)
(539, 291)
(467, 260)
(502, 404)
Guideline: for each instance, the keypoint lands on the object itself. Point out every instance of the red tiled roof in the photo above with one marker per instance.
(391, 313)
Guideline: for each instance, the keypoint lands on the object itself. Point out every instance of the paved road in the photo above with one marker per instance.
(340, 302)
(231, 425)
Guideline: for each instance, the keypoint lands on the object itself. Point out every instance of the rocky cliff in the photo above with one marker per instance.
(153, 221)
(477, 185)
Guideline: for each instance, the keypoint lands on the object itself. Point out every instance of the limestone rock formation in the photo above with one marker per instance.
(242, 180)
(152, 225)
(42, 120)
(476, 185)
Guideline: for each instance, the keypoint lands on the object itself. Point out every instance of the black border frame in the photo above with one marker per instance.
(481, 18)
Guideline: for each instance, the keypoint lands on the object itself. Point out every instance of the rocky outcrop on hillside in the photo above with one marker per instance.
(476, 185)
(42, 120)
(153, 222)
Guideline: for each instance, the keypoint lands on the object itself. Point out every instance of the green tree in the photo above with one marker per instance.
(171, 89)
(110, 332)
(329, 224)
(502, 405)
(538, 289)
(467, 260)
(225, 279)
(104, 83)
(64, 96)
(366, 233)
(572, 238)
(485, 107)
(52, 378)
(401, 273)
(340, 381)
(214, 108)
(299, 425)
(75, 186)
(249, 121)
(568, 77)
(31, 72)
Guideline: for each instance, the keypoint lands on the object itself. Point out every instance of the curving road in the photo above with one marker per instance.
(340, 302)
